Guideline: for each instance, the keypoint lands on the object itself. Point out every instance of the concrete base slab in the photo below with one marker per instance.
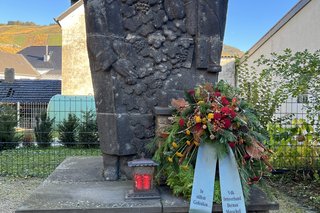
(77, 185)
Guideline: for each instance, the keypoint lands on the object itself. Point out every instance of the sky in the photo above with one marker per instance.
(247, 20)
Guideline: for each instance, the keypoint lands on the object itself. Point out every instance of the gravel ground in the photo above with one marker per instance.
(286, 204)
(15, 190)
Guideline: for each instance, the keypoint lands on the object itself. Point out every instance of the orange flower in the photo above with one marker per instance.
(188, 143)
(210, 116)
(174, 145)
(200, 102)
(188, 132)
(204, 120)
(197, 119)
(185, 167)
(179, 154)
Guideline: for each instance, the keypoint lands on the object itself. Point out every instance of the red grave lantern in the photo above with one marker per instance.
(143, 172)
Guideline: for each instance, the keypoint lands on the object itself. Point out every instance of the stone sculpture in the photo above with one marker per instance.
(142, 54)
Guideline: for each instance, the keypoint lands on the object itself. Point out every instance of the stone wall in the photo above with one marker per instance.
(76, 76)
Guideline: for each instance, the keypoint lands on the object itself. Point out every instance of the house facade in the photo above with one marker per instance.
(298, 30)
(76, 76)
(46, 60)
(22, 68)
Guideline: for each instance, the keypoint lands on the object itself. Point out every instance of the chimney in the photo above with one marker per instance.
(9, 75)
(73, 2)
(46, 57)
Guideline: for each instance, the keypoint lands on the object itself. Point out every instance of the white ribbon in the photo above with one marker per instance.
(203, 182)
(230, 184)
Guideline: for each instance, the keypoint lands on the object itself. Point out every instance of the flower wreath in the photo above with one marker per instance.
(211, 114)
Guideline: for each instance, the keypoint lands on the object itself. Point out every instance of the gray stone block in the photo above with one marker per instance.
(144, 53)
(85, 191)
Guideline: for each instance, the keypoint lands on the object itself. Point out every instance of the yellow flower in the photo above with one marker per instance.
(188, 132)
(188, 143)
(185, 167)
(170, 159)
(210, 116)
(197, 119)
(200, 102)
(179, 154)
(204, 120)
(196, 143)
(174, 145)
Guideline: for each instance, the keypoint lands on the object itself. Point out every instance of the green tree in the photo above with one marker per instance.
(271, 80)
(8, 122)
(88, 130)
(260, 90)
(68, 130)
(43, 130)
(298, 73)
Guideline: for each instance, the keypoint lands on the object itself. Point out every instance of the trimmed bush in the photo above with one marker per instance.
(68, 130)
(88, 131)
(43, 130)
(8, 122)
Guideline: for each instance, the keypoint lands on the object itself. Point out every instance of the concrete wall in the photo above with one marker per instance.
(300, 33)
(76, 77)
(228, 72)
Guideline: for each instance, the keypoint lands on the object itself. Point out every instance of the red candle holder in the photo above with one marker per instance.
(143, 172)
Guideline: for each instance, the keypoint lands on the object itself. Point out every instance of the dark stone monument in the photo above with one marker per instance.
(142, 54)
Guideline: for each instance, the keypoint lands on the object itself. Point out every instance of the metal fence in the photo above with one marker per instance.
(296, 142)
(34, 145)
(29, 156)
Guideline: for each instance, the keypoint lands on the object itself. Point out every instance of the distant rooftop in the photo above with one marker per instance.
(35, 56)
(27, 91)
(21, 66)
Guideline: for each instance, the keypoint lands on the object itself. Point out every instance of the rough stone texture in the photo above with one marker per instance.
(163, 115)
(143, 54)
(77, 186)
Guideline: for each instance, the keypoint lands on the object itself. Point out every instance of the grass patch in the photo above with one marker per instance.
(20, 40)
(37, 162)
(55, 39)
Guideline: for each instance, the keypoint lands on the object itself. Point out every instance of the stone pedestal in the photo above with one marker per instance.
(77, 185)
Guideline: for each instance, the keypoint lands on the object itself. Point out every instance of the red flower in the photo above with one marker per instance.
(227, 123)
(232, 113)
(181, 122)
(191, 92)
(225, 110)
(246, 157)
(217, 116)
(232, 144)
(234, 100)
(224, 101)
(198, 127)
(255, 179)
(217, 94)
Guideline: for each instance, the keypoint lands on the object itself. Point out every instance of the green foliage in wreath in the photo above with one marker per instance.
(211, 114)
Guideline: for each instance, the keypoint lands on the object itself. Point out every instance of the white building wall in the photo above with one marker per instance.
(228, 70)
(301, 32)
(76, 76)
